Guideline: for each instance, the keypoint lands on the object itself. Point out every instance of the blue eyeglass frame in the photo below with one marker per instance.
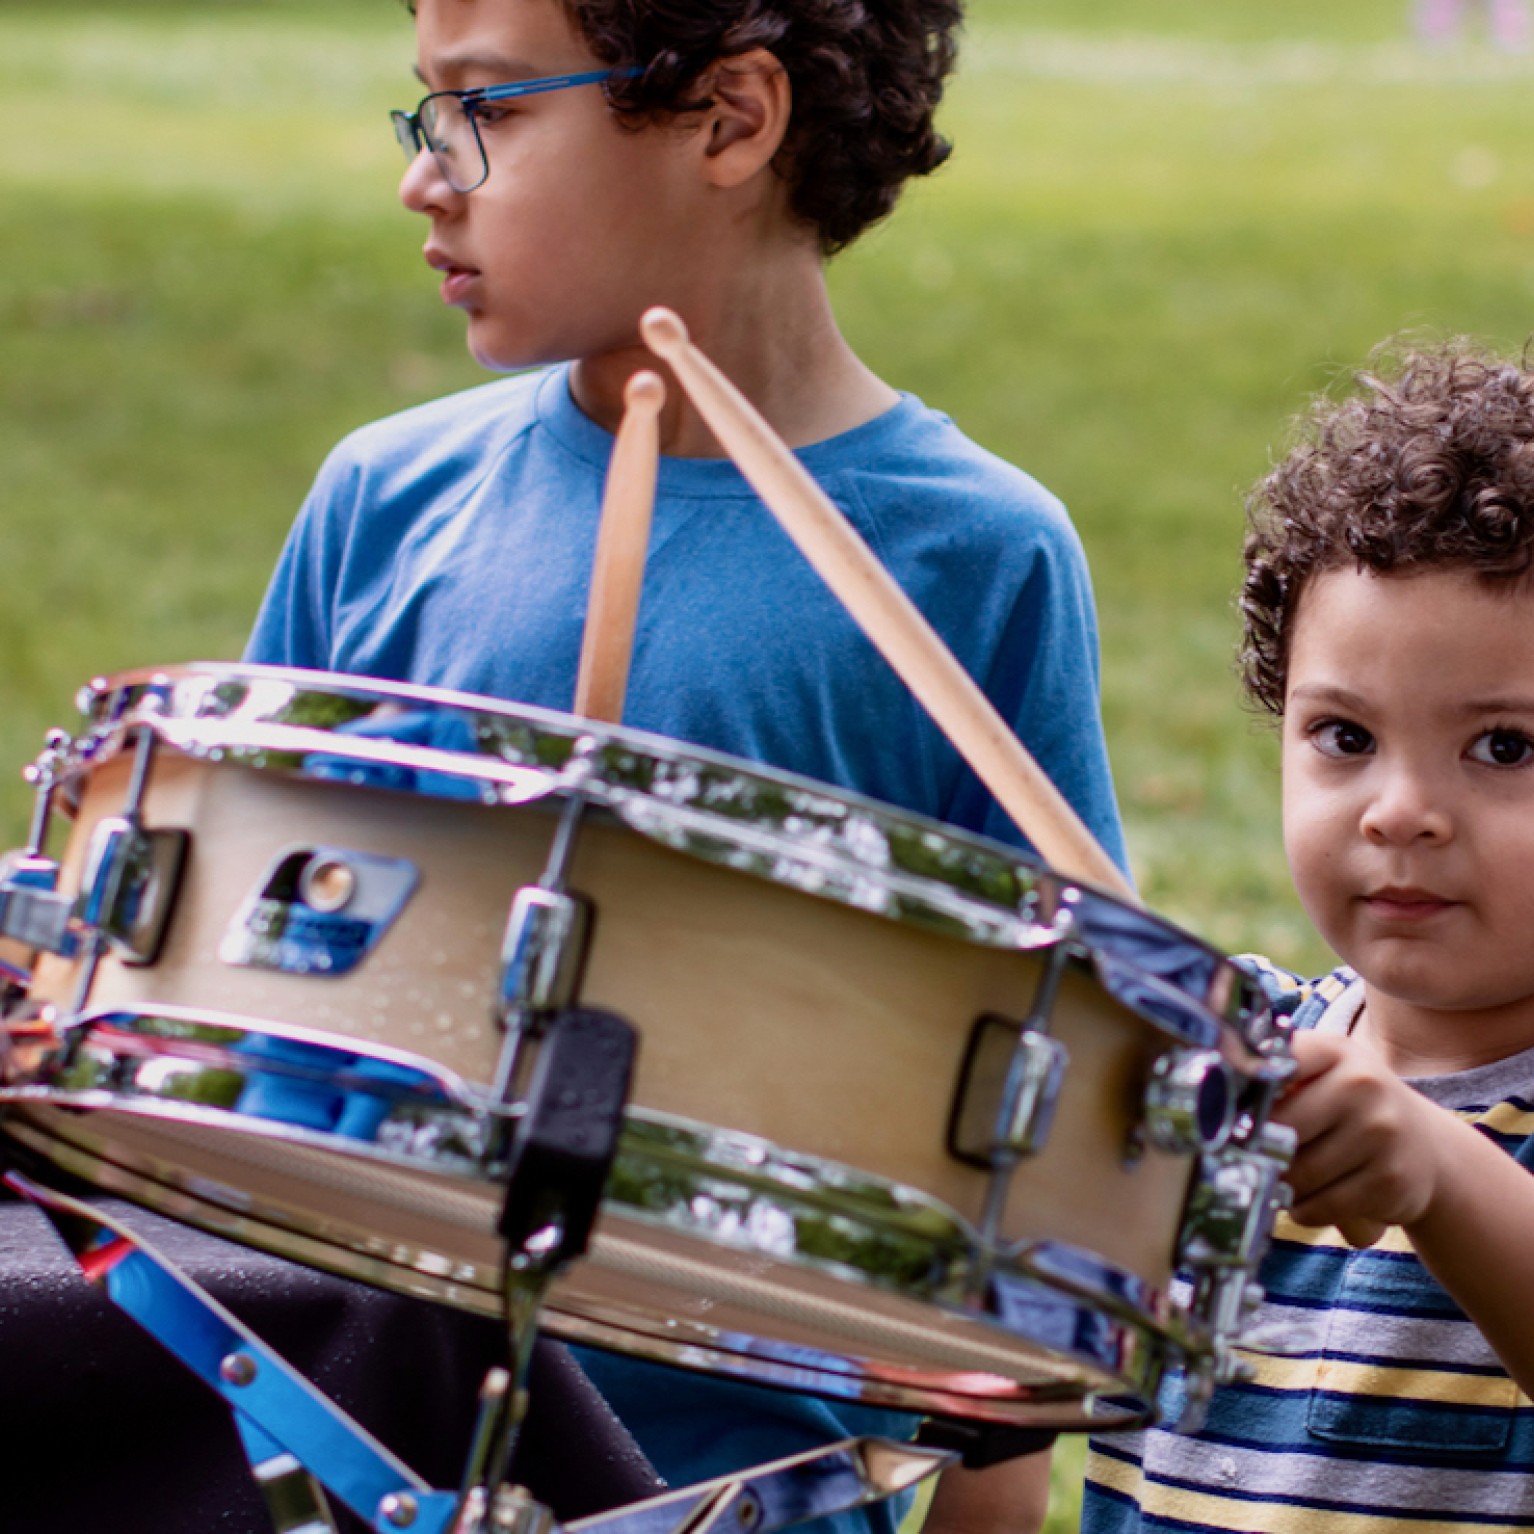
(413, 138)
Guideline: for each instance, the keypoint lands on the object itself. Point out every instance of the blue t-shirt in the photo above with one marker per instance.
(451, 546)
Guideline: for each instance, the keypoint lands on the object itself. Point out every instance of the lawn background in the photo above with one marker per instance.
(1166, 224)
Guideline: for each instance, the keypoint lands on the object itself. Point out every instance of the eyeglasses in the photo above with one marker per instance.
(447, 122)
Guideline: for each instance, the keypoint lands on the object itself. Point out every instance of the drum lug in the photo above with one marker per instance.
(1008, 1089)
(1010, 1081)
(1236, 1196)
(129, 885)
(543, 954)
(1005, 1106)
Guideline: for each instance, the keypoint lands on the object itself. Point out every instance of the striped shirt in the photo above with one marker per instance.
(1384, 1411)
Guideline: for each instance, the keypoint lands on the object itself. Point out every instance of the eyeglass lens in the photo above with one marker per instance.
(444, 127)
(450, 135)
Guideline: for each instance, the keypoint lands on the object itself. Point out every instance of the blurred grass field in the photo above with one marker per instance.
(1165, 225)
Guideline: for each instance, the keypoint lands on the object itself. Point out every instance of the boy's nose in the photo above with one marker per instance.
(423, 188)
(1404, 808)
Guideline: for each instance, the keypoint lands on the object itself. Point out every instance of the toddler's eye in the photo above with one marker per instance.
(1502, 748)
(1341, 737)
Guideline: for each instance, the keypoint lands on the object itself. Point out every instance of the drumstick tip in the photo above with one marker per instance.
(664, 332)
(645, 391)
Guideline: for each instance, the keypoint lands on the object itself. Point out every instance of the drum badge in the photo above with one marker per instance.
(318, 911)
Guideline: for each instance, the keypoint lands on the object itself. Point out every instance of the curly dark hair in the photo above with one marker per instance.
(866, 77)
(1429, 466)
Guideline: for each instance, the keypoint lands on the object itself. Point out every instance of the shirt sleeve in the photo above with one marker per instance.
(295, 624)
(1044, 681)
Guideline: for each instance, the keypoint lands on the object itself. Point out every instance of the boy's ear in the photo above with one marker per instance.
(748, 119)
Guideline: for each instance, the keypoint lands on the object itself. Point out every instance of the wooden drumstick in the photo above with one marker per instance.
(887, 616)
(622, 541)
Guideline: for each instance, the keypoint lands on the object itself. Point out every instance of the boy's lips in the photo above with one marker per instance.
(456, 278)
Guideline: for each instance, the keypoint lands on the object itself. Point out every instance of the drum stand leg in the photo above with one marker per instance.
(298, 1440)
(293, 1435)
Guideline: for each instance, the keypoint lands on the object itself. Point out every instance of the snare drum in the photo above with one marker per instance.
(915, 1121)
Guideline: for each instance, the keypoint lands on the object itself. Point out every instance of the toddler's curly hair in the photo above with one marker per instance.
(1430, 465)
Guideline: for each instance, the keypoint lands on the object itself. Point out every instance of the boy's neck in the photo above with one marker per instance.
(771, 331)
(1422, 1041)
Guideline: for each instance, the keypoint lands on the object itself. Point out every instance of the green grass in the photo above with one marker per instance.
(1166, 223)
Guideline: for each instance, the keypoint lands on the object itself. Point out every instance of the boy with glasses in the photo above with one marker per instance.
(579, 161)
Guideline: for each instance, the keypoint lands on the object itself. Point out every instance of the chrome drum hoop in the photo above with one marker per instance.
(681, 1193)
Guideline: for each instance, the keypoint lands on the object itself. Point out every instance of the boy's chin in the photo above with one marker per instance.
(502, 347)
(495, 351)
(495, 359)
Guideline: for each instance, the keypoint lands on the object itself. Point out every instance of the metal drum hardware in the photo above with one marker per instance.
(1009, 1083)
(1190, 1101)
(1234, 1201)
(32, 912)
(130, 884)
(543, 953)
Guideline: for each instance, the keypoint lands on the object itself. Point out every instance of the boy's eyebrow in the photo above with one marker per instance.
(448, 66)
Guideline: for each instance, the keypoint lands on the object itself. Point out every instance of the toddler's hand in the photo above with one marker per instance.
(1368, 1144)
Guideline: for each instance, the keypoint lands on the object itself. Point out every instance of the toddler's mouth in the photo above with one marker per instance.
(1400, 902)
